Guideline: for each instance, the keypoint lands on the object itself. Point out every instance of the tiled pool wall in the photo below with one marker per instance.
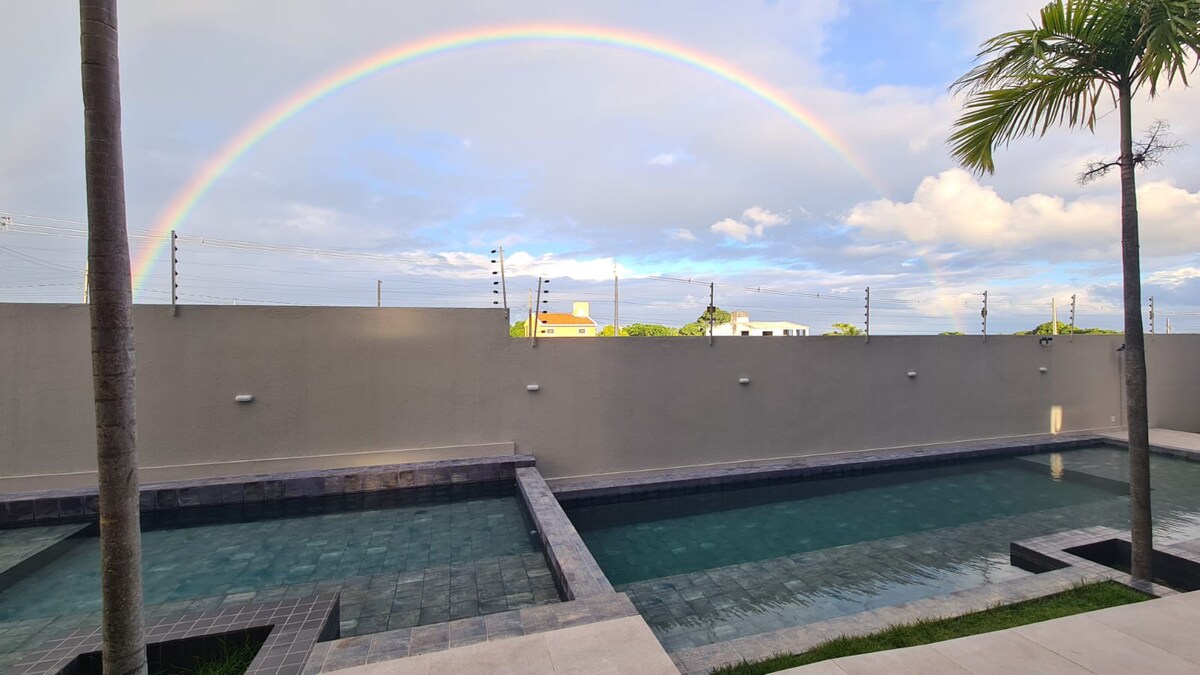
(583, 491)
(522, 591)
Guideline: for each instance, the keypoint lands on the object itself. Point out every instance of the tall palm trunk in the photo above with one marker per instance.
(112, 342)
(1137, 417)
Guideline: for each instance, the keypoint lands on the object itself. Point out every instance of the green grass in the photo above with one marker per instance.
(1077, 600)
(233, 657)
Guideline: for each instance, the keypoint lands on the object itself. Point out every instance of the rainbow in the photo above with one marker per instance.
(186, 199)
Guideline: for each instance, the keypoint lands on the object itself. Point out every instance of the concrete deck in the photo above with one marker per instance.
(616, 646)
(1157, 636)
(1162, 438)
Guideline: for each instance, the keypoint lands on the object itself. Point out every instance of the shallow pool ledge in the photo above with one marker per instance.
(49, 506)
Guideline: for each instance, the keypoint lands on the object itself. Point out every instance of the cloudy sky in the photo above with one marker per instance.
(582, 158)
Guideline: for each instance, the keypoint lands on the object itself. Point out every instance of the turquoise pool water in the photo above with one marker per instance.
(396, 563)
(711, 566)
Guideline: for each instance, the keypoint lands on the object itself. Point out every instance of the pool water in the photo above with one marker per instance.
(396, 563)
(711, 566)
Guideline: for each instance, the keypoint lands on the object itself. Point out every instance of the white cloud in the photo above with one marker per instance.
(954, 209)
(683, 234)
(665, 159)
(754, 223)
(1174, 277)
(734, 229)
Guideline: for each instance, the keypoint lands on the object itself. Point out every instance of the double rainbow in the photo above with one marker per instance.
(186, 199)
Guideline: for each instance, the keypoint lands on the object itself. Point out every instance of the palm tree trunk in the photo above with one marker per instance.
(112, 342)
(1137, 418)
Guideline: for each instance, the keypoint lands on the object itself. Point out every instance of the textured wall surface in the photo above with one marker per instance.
(350, 386)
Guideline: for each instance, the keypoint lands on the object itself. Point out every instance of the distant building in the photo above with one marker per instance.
(575, 324)
(740, 324)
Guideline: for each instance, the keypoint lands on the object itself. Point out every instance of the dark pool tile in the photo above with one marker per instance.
(274, 489)
(45, 509)
(254, 491)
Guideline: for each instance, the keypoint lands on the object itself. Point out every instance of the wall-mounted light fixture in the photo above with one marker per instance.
(912, 373)
(532, 387)
(1042, 369)
(1045, 340)
(743, 380)
(244, 398)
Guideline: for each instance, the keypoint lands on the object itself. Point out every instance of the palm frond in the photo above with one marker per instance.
(1168, 39)
(995, 117)
(1054, 72)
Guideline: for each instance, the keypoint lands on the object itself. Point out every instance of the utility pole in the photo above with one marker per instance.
(712, 312)
(1053, 316)
(1168, 325)
(616, 306)
(1072, 317)
(529, 321)
(174, 274)
(379, 292)
(1152, 315)
(983, 313)
(868, 323)
(86, 290)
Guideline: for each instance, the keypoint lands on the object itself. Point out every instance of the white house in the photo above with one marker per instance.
(741, 324)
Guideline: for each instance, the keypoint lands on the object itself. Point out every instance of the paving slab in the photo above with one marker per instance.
(1104, 650)
(1157, 623)
(1155, 636)
(620, 646)
(1162, 438)
(977, 654)
(624, 645)
(923, 660)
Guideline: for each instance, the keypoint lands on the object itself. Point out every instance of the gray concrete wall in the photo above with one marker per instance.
(349, 386)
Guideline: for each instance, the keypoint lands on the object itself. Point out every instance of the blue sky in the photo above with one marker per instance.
(579, 159)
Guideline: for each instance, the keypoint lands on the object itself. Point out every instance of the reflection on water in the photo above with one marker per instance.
(709, 567)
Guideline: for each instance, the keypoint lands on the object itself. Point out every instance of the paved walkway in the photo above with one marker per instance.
(616, 646)
(1163, 438)
(1157, 636)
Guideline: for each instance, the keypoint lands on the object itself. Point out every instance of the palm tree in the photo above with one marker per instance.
(112, 341)
(1056, 73)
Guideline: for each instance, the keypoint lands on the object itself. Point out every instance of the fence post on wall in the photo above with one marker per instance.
(868, 324)
(174, 275)
(712, 312)
(983, 313)
(1072, 317)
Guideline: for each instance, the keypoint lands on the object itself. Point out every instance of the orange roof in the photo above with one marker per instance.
(563, 319)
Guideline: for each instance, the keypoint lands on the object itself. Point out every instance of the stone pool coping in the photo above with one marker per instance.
(1050, 552)
(296, 626)
(395, 644)
(580, 491)
(575, 570)
(50, 506)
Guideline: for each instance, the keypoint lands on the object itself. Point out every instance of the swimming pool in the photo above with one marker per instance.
(710, 566)
(397, 560)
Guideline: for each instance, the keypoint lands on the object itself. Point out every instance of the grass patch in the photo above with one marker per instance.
(232, 656)
(1077, 600)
